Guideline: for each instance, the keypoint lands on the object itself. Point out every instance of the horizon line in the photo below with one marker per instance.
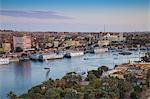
(72, 31)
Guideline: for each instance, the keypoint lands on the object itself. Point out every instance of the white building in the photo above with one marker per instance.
(114, 37)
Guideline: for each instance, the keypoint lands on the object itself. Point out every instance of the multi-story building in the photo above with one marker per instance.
(56, 43)
(6, 47)
(75, 43)
(103, 42)
(23, 42)
(114, 37)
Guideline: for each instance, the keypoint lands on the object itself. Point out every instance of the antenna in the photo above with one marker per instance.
(104, 27)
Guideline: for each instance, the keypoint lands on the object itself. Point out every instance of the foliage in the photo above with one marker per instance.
(133, 95)
(90, 77)
(96, 83)
(99, 87)
(97, 72)
(148, 79)
(11, 95)
(19, 49)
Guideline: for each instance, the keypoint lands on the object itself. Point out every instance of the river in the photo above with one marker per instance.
(21, 76)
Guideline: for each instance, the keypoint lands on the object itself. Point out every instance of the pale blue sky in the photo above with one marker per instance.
(75, 15)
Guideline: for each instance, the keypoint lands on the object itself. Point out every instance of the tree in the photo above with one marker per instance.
(91, 77)
(24, 96)
(70, 93)
(96, 73)
(36, 89)
(130, 78)
(137, 89)
(103, 68)
(19, 49)
(96, 83)
(53, 93)
(72, 79)
(35, 96)
(49, 83)
(148, 79)
(133, 95)
(99, 71)
(123, 86)
(11, 95)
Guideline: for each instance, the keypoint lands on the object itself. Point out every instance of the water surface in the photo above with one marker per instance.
(21, 76)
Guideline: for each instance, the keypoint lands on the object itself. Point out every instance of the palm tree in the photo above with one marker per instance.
(148, 78)
(11, 95)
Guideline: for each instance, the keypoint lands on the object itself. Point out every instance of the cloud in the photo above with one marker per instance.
(77, 21)
(33, 14)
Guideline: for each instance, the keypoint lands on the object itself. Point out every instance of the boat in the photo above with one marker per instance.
(86, 58)
(4, 61)
(35, 56)
(13, 57)
(115, 58)
(125, 53)
(99, 50)
(47, 68)
(133, 49)
(92, 58)
(138, 61)
(50, 56)
(70, 54)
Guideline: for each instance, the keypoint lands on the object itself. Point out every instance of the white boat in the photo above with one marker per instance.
(70, 54)
(50, 56)
(35, 57)
(100, 50)
(4, 61)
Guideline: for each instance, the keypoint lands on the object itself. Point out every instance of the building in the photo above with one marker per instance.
(103, 42)
(23, 42)
(72, 43)
(56, 43)
(1, 47)
(68, 43)
(6, 47)
(118, 37)
(75, 43)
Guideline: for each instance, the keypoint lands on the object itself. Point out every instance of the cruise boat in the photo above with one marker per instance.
(4, 61)
(50, 56)
(99, 50)
(70, 54)
(35, 57)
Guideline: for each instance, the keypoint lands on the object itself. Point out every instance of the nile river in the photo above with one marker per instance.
(21, 76)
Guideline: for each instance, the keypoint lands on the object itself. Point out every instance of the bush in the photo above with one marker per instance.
(19, 49)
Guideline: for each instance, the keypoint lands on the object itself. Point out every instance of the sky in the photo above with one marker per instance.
(75, 15)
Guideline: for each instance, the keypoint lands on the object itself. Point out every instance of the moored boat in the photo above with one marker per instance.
(4, 61)
(51, 56)
(35, 56)
(99, 50)
(125, 53)
(70, 54)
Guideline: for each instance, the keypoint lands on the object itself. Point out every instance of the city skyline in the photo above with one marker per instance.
(75, 15)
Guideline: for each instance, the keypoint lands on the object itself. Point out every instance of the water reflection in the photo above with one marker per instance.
(22, 72)
(47, 74)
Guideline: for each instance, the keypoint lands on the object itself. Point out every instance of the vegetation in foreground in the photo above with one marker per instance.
(73, 86)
